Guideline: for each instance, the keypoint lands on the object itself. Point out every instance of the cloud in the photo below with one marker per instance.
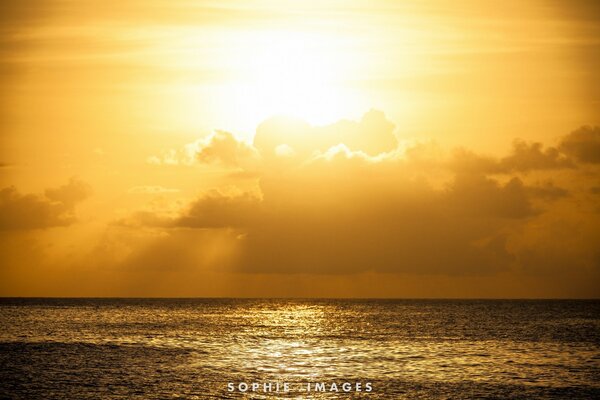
(524, 157)
(56, 207)
(583, 144)
(561, 243)
(70, 194)
(466, 161)
(476, 195)
(219, 148)
(185, 156)
(532, 156)
(548, 191)
(373, 135)
(218, 210)
(159, 212)
(211, 210)
(222, 147)
(283, 142)
(343, 228)
(332, 202)
(346, 212)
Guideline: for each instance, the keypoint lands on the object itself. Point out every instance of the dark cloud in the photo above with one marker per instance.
(331, 217)
(547, 191)
(323, 207)
(476, 195)
(559, 245)
(31, 211)
(532, 156)
(345, 230)
(70, 194)
(583, 144)
(218, 210)
(466, 161)
(524, 157)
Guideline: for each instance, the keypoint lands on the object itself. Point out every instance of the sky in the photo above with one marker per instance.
(300, 149)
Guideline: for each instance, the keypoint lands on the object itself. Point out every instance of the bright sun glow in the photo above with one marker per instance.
(292, 73)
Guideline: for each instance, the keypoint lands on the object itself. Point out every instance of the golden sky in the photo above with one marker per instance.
(286, 148)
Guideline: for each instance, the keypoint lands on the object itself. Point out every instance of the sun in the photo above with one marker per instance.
(293, 73)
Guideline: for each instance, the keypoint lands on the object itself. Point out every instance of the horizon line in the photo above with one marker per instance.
(287, 298)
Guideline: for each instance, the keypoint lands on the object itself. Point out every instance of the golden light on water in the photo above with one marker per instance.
(291, 351)
(197, 347)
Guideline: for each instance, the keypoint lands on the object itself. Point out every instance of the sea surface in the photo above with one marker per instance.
(405, 349)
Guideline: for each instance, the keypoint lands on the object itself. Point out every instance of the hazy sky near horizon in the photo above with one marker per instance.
(283, 148)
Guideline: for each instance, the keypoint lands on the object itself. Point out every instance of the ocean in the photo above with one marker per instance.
(246, 348)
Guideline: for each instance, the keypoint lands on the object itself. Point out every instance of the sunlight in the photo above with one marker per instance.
(291, 73)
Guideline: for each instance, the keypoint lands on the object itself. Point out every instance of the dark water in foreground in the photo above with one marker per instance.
(430, 349)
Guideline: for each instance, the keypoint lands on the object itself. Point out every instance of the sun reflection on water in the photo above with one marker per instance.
(198, 346)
